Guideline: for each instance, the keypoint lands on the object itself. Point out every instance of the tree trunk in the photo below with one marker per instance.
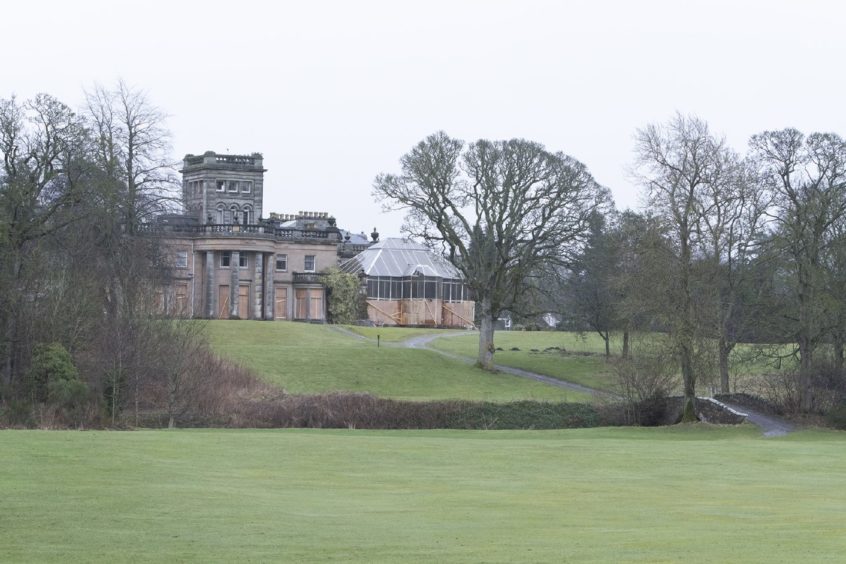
(838, 354)
(806, 396)
(686, 332)
(607, 338)
(626, 344)
(486, 334)
(689, 385)
(11, 345)
(808, 331)
(725, 349)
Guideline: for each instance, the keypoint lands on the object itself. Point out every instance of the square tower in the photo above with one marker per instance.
(223, 189)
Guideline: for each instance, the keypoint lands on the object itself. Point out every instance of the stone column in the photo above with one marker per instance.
(210, 283)
(258, 285)
(234, 261)
(269, 290)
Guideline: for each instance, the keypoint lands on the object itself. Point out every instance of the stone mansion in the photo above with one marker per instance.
(230, 261)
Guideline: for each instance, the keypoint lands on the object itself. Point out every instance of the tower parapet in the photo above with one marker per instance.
(223, 189)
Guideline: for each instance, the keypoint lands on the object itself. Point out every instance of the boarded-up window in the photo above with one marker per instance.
(316, 303)
(223, 302)
(244, 301)
(308, 303)
(301, 303)
(280, 310)
(181, 300)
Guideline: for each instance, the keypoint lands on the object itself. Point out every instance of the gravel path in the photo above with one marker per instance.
(423, 341)
(770, 425)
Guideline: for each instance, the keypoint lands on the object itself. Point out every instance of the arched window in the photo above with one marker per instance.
(233, 213)
(248, 215)
(221, 214)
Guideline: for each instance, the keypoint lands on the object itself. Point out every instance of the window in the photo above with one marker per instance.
(310, 263)
(226, 259)
(221, 185)
(281, 263)
(248, 215)
(432, 289)
(246, 187)
(233, 185)
(221, 214)
(181, 259)
(233, 214)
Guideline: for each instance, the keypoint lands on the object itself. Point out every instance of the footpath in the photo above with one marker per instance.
(770, 425)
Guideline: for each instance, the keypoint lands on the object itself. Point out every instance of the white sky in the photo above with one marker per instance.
(333, 93)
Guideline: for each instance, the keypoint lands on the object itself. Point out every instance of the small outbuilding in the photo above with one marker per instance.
(407, 284)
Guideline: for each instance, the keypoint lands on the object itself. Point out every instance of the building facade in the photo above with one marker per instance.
(228, 262)
(409, 285)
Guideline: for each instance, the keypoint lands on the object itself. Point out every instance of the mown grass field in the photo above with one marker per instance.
(694, 494)
(589, 371)
(747, 366)
(393, 334)
(305, 358)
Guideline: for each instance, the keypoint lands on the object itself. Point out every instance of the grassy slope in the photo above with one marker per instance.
(610, 495)
(393, 334)
(586, 370)
(306, 358)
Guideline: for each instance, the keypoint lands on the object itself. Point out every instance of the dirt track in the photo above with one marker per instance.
(770, 425)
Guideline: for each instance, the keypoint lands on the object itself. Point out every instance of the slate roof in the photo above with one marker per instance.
(398, 258)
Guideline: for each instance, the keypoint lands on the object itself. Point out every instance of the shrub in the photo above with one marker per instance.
(50, 363)
(345, 301)
(836, 417)
(645, 381)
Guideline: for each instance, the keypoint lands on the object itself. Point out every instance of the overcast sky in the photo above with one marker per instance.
(333, 93)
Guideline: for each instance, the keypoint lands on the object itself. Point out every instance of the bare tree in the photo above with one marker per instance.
(502, 211)
(806, 178)
(685, 170)
(41, 142)
(133, 149)
(732, 224)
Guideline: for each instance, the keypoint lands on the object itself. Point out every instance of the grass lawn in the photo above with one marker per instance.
(610, 495)
(393, 334)
(586, 370)
(304, 358)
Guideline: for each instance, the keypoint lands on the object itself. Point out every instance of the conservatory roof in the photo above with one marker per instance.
(398, 258)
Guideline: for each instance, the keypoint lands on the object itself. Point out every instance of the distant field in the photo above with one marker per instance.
(393, 334)
(304, 358)
(683, 494)
(749, 363)
(586, 370)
